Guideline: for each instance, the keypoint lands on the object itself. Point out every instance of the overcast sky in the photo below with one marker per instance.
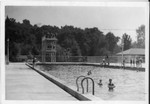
(118, 20)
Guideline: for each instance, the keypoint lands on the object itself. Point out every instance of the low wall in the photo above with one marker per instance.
(64, 86)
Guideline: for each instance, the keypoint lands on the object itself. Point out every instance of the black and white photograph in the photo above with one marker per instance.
(76, 52)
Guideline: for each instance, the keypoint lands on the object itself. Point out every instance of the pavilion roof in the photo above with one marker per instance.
(133, 51)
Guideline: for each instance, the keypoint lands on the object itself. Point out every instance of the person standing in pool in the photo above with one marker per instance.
(100, 83)
(111, 86)
(89, 72)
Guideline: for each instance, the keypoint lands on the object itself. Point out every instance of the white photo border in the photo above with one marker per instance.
(50, 3)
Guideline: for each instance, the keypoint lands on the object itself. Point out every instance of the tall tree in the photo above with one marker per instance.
(11, 33)
(141, 36)
(127, 41)
(111, 42)
(95, 41)
(67, 40)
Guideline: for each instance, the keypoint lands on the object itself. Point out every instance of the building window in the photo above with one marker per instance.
(49, 46)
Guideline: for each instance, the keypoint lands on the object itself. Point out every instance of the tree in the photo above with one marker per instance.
(127, 41)
(141, 36)
(11, 33)
(26, 22)
(95, 41)
(111, 42)
(117, 49)
(67, 40)
(25, 39)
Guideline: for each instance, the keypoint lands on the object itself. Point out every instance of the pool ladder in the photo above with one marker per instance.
(85, 78)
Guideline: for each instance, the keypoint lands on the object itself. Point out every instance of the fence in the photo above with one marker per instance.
(95, 59)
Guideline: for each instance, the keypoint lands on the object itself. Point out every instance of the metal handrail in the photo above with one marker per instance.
(87, 84)
(77, 81)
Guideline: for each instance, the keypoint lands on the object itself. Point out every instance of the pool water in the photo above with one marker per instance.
(130, 85)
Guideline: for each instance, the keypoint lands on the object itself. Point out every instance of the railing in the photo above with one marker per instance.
(92, 59)
(87, 84)
(77, 81)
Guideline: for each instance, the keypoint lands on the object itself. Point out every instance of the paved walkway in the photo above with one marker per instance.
(23, 83)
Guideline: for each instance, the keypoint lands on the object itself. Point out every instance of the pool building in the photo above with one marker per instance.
(132, 54)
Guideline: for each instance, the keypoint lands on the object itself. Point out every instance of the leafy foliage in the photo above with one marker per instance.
(25, 39)
(141, 36)
(127, 41)
(111, 41)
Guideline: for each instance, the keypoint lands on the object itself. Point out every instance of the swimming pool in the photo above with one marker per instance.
(130, 85)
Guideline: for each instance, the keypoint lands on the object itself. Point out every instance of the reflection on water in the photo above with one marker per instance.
(130, 85)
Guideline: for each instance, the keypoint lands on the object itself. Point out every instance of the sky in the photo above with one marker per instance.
(118, 20)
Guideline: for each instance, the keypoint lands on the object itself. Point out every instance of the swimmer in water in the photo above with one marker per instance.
(111, 86)
(100, 83)
(89, 72)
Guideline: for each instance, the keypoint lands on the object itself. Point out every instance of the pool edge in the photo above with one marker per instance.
(65, 87)
(92, 64)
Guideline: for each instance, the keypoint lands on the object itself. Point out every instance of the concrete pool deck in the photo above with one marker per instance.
(23, 83)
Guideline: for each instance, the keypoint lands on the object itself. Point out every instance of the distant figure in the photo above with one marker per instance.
(111, 86)
(89, 72)
(137, 62)
(104, 62)
(107, 59)
(34, 61)
(85, 58)
(131, 62)
(140, 61)
(123, 63)
(100, 83)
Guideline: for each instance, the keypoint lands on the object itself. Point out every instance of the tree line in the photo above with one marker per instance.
(26, 39)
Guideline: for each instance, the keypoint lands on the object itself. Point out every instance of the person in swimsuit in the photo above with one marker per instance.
(111, 86)
(89, 72)
(100, 83)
